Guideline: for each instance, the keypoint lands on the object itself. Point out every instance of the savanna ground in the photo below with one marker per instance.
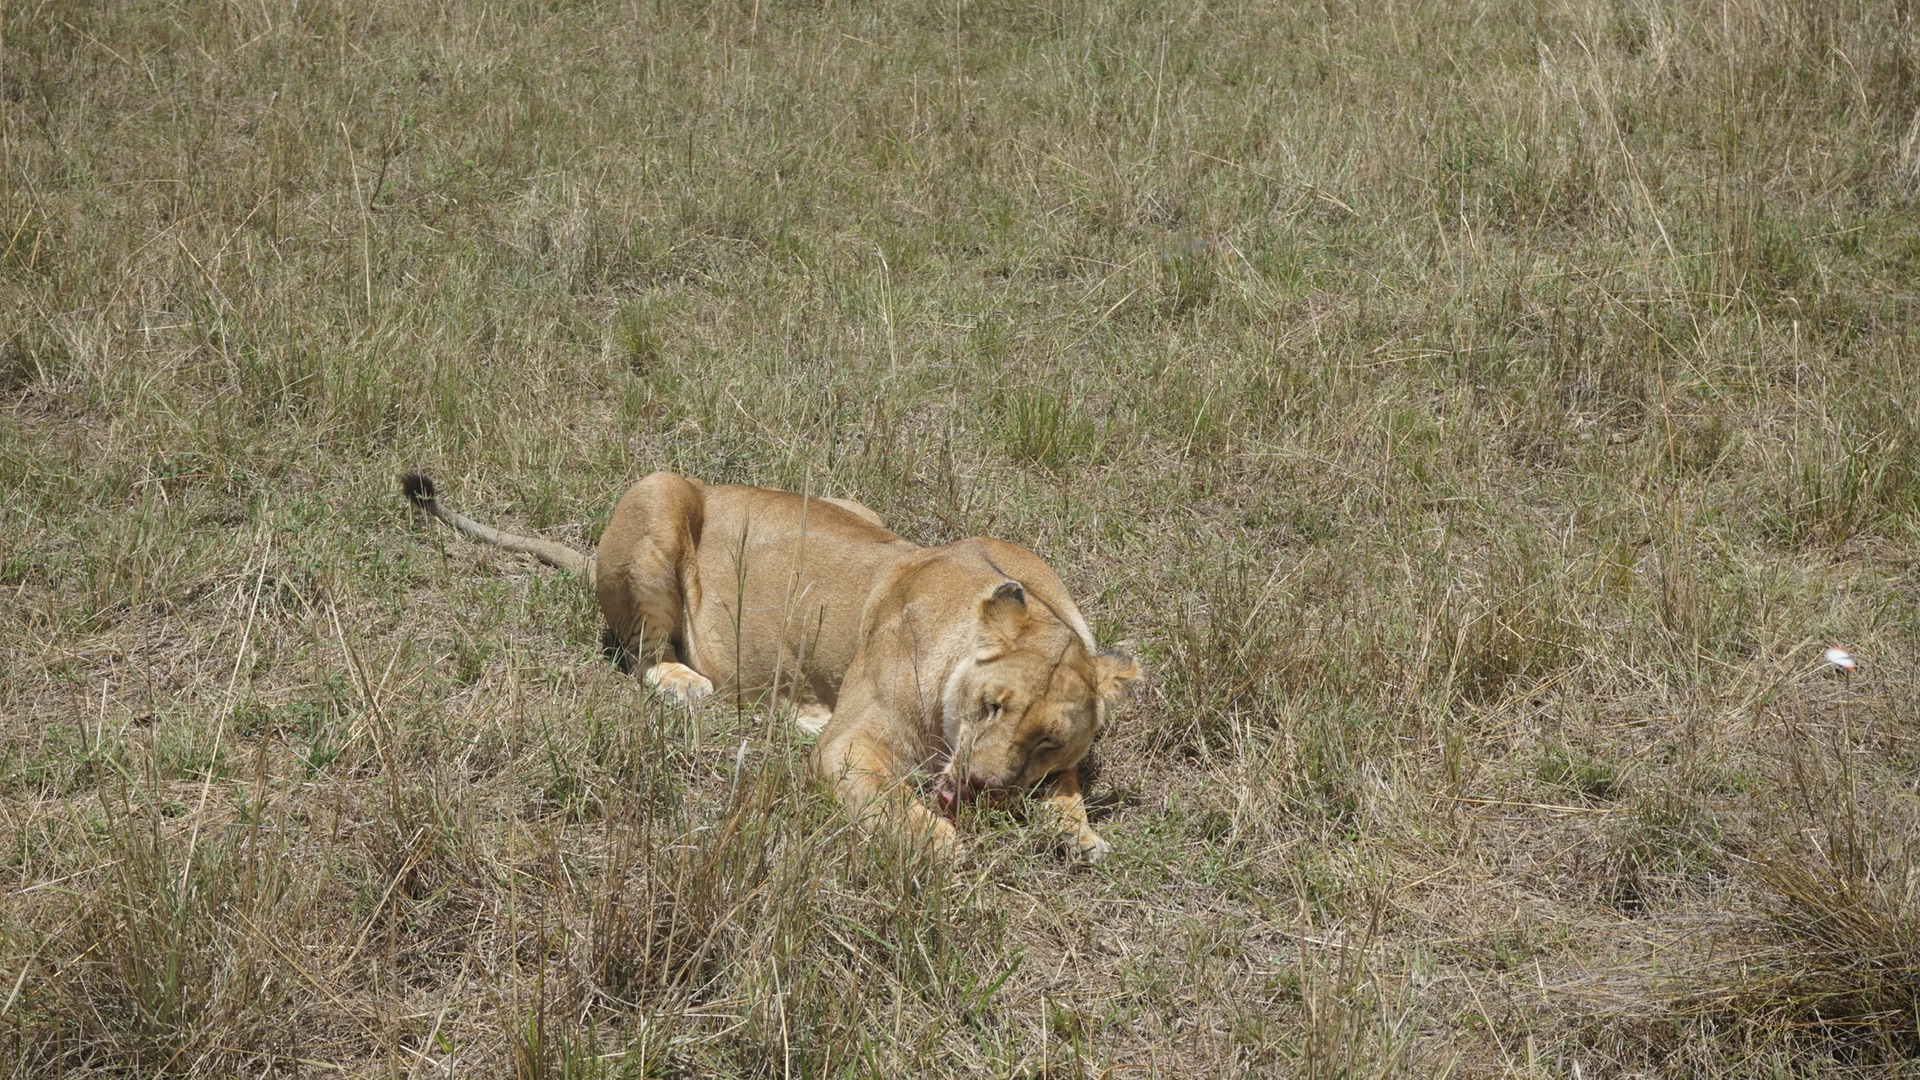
(1479, 416)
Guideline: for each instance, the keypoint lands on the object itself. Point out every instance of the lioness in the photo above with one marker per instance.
(969, 658)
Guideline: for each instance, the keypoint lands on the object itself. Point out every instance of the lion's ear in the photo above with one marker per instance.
(1003, 612)
(1112, 672)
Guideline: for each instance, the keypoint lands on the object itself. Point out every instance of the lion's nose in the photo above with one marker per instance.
(978, 781)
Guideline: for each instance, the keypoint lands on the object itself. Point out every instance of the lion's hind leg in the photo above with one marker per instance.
(679, 680)
(812, 718)
(646, 573)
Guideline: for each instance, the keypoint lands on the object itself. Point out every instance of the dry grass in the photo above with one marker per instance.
(1479, 414)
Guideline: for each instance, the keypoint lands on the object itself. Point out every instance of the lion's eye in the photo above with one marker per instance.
(1045, 746)
(989, 710)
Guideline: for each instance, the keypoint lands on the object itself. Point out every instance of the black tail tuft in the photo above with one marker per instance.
(419, 489)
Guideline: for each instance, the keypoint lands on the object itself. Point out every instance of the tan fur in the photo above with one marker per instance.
(969, 659)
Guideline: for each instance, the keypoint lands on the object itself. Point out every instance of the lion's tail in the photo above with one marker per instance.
(419, 489)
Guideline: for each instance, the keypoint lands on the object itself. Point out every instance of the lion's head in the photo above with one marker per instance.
(1029, 700)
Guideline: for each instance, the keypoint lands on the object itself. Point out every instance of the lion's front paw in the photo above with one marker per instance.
(679, 680)
(946, 838)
